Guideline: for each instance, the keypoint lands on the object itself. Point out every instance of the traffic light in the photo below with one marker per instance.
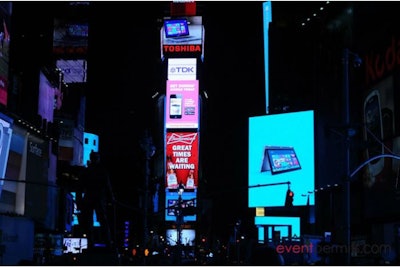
(289, 198)
(146, 252)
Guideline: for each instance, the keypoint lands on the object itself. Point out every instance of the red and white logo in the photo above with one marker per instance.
(182, 138)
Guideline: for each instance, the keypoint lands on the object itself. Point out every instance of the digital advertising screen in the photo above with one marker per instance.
(182, 104)
(74, 71)
(188, 237)
(182, 8)
(182, 160)
(267, 19)
(90, 143)
(70, 37)
(286, 226)
(5, 141)
(183, 35)
(47, 98)
(183, 30)
(176, 27)
(188, 200)
(381, 135)
(74, 245)
(15, 162)
(182, 69)
(77, 200)
(281, 155)
(5, 16)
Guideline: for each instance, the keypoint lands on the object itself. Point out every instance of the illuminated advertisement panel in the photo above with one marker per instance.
(183, 69)
(5, 16)
(183, 8)
(172, 207)
(267, 18)
(74, 245)
(15, 163)
(70, 37)
(182, 105)
(281, 154)
(47, 98)
(74, 71)
(188, 237)
(5, 141)
(90, 143)
(287, 226)
(184, 35)
(380, 124)
(77, 202)
(182, 160)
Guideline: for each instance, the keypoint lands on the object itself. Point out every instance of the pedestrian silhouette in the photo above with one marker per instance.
(97, 194)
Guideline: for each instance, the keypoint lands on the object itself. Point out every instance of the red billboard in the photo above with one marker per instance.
(182, 152)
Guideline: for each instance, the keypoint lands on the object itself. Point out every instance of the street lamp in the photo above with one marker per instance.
(146, 143)
(357, 62)
(179, 221)
(181, 189)
(308, 197)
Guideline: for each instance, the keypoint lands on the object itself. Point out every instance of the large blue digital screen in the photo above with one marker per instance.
(290, 132)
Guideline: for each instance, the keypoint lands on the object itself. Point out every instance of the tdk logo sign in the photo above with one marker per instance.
(182, 69)
(176, 70)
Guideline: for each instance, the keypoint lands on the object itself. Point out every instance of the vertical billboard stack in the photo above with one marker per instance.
(182, 43)
(70, 43)
(281, 165)
(70, 54)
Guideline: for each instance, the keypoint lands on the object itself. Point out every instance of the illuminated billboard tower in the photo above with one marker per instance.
(281, 166)
(182, 44)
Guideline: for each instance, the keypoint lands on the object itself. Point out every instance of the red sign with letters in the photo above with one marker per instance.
(182, 159)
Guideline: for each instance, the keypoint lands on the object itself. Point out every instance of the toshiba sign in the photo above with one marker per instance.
(193, 48)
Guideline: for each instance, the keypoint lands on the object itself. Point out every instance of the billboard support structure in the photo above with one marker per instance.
(179, 222)
(346, 87)
(146, 143)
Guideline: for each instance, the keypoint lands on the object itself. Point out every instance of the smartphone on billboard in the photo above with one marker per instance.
(175, 106)
(373, 131)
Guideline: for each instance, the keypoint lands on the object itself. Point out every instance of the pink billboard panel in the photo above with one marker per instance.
(182, 152)
(182, 105)
(5, 17)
